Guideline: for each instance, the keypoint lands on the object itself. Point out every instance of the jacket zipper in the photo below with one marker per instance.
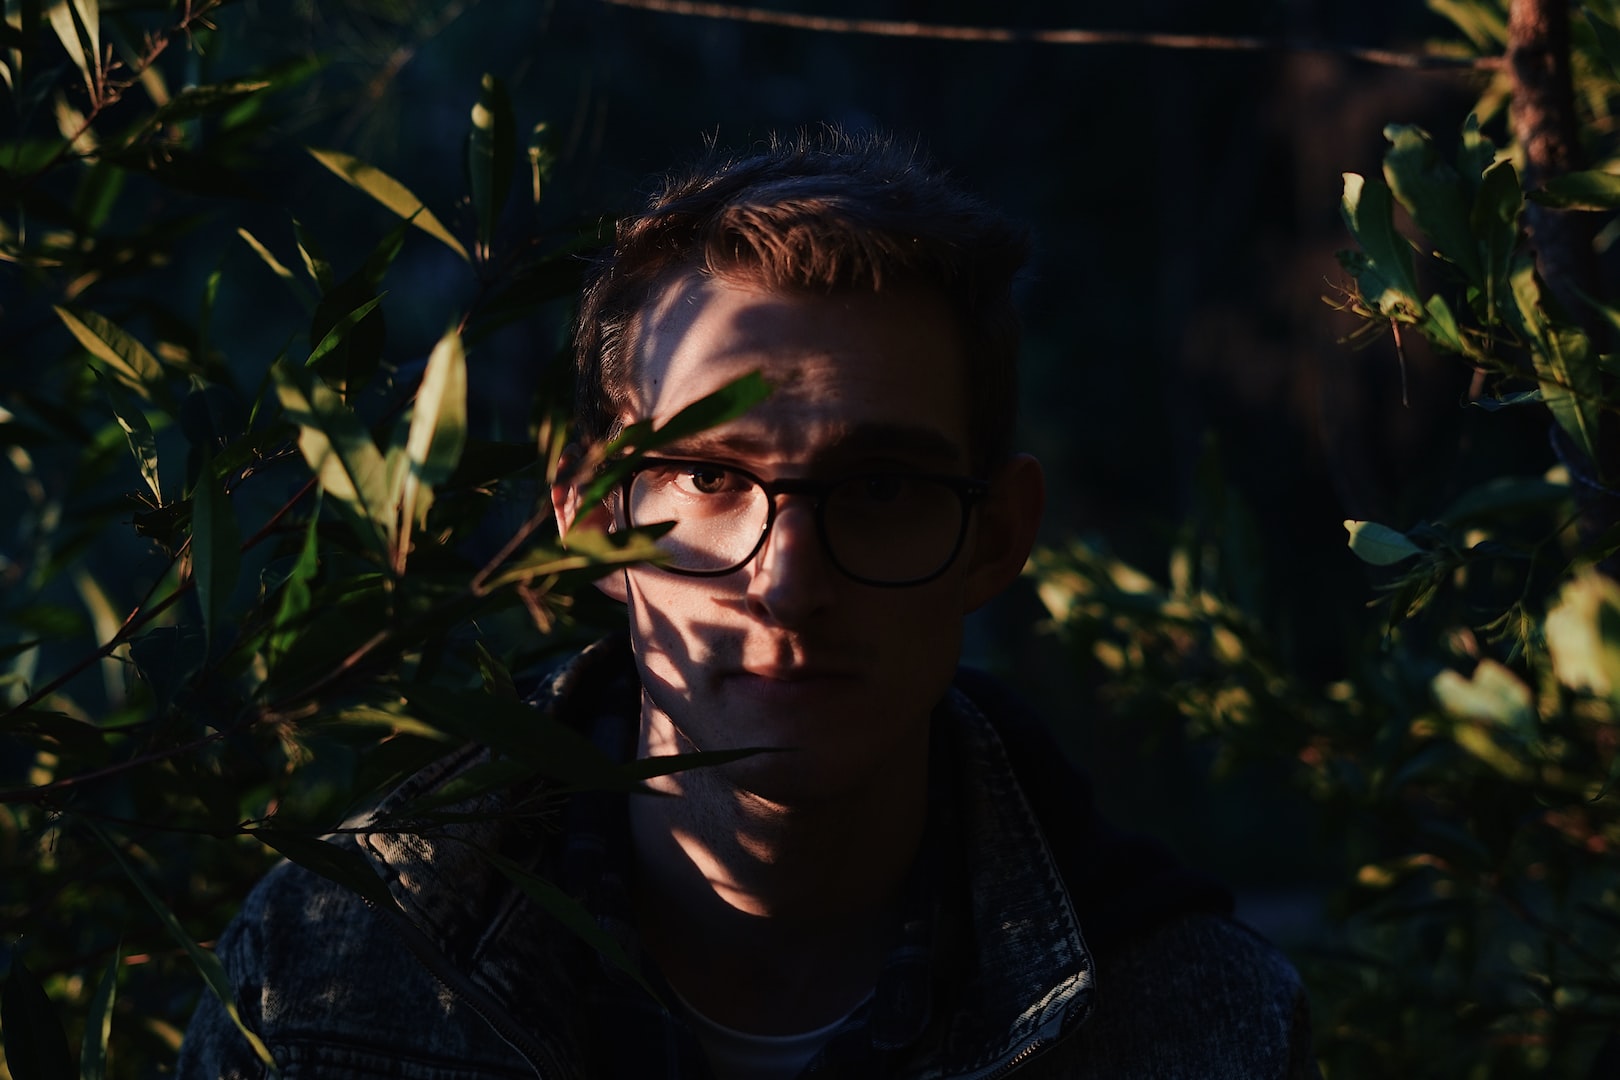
(1041, 1043)
(470, 994)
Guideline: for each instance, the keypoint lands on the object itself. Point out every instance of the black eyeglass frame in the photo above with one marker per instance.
(967, 489)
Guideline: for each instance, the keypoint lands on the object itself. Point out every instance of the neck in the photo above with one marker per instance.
(771, 916)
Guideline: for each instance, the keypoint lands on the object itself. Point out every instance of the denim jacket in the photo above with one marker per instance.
(989, 973)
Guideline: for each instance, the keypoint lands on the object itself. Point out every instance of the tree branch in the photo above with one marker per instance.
(1007, 35)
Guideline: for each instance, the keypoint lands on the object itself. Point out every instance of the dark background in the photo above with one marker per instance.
(1185, 210)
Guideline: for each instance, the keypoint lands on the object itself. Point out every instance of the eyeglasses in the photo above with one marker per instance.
(878, 528)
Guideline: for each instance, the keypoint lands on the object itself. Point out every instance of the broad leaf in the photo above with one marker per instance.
(1492, 693)
(490, 157)
(1432, 193)
(390, 192)
(1583, 634)
(1378, 544)
(1385, 271)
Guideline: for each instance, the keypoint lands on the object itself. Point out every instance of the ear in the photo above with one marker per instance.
(566, 504)
(1004, 533)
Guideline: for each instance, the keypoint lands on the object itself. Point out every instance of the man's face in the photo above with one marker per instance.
(786, 651)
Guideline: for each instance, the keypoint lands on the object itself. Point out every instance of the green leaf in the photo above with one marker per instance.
(1433, 194)
(127, 357)
(216, 558)
(277, 268)
(1492, 693)
(36, 1043)
(1508, 401)
(340, 330)
(98, 1023)
(1378, 544)
(339, 450)
(78, 27)
(137, 431)
(727, 403)
(1590, 190)
(315, 262)
(1608, 38)
(570, 913)
(1476, 154)
(437, 434)
(490, 155)
(520, 731)
(294, 603)
(390, 192)
(590, 552)
(1482, 23)
(1583, 634)
(1565, 366)
(1439, 325)
(213, 972)
(1385, 270)
(343, 864)
(195, 101)
(66, 736)
(497, 679)
(541, 160)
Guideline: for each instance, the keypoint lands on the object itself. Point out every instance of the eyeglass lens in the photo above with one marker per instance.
(883, 527)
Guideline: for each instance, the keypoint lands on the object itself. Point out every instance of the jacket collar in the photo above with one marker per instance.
(988, 964)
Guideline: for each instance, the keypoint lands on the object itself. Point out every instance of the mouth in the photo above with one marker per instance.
(781, 686)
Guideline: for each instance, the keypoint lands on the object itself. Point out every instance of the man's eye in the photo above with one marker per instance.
(709, 481)
(881, 488)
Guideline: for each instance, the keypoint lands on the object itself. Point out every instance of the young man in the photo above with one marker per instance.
(908, 881)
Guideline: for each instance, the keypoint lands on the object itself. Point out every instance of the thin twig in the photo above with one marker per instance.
(1008, 35)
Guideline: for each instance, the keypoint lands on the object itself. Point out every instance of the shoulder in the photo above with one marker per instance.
(1199, 996)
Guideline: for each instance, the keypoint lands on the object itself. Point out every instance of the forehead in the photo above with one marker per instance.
(848, 370)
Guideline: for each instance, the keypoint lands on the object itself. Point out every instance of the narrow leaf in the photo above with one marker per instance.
(390, 192)
(213, 972)
(1565, 365)
(277, 267)
(438, 430)
(340, 452)
(315, 261)
(1378, 544)
(570, 913)
(98, 1023)
(1591, 190)
(119, 350)
(490, 156)
(497, 679)
(334, 337)
(520, 731)
(342, 864)
(137, 431)
(216, 557)
(66, 18)
(36, 1043)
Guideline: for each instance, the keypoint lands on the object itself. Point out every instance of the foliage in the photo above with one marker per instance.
(252, 574)
(1467, 765)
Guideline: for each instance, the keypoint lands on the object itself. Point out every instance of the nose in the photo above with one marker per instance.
(790, 578)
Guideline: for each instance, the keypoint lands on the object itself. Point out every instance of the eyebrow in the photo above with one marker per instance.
(857, 441)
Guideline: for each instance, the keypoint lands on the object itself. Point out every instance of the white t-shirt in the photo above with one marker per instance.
(739, 1055)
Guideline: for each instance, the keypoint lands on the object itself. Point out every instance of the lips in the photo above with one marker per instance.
(788, 686)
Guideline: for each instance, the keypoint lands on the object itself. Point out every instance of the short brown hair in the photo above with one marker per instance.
(821, 212)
